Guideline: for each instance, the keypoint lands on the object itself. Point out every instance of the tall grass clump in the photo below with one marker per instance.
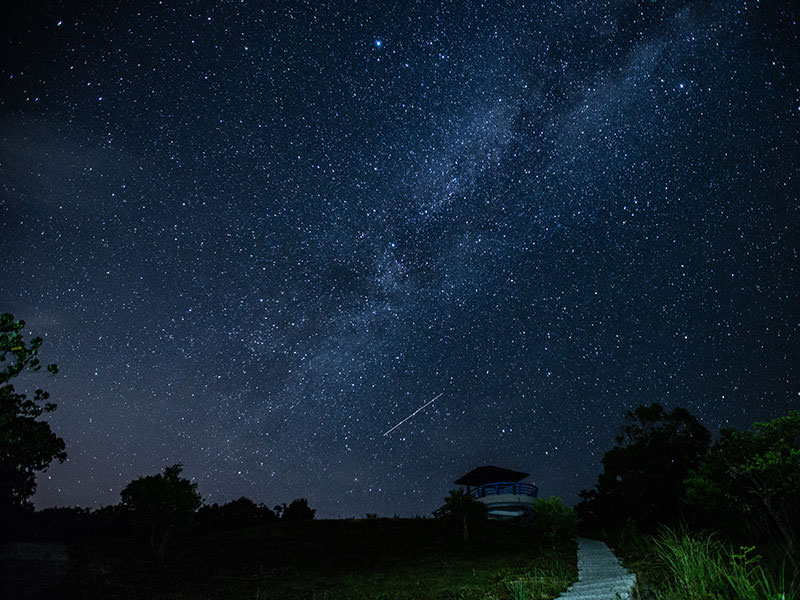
(540, 584)
(702, 568)
(693, 564)
(748, 579)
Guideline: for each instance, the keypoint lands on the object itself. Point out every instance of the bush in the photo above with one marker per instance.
(553, 520)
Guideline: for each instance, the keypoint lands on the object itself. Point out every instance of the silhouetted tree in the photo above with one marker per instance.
(643, 473)
(242, 512)
(27, 444)
(463, 510)
(298, 510)
(749, 483)
(162, 504)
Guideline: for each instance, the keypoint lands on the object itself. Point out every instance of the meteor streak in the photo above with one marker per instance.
(412, 414)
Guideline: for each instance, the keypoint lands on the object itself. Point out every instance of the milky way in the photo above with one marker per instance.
(257, 235)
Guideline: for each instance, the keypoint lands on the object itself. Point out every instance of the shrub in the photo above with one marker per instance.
(553, 520)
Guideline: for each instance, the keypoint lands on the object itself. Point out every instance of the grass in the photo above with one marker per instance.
(678, 565)
(541, 584)
(401, 559)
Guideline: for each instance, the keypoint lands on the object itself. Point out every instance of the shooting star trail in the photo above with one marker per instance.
(412, 414)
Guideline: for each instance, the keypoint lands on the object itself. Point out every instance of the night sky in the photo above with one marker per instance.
(257, 235)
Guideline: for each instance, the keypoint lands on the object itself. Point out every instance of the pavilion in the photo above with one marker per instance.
(501, 490)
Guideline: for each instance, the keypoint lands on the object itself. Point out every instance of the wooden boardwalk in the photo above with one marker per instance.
(600, 575)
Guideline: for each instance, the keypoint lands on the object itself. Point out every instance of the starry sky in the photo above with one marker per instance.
(257, 235)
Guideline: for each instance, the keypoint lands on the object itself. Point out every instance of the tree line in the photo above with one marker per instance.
(157, 506)
(664, 471)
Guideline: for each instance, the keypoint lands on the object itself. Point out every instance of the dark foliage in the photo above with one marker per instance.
(463, 512)
(49, 525)
(551, 520)
(643, 473)
(27, 445)
(748, 485)
(162, 505)
(67, 524)
(234, 515)
(298, 510)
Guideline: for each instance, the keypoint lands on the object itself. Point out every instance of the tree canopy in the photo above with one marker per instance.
(749, 483)
(298, 510)
(235, 514)
(27, 444)
(643, 473)
(162, 504)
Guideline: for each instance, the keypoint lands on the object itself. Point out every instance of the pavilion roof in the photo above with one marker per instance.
(489, 474)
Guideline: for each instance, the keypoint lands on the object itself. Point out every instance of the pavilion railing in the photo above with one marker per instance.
(492, 489)
(504, 487)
